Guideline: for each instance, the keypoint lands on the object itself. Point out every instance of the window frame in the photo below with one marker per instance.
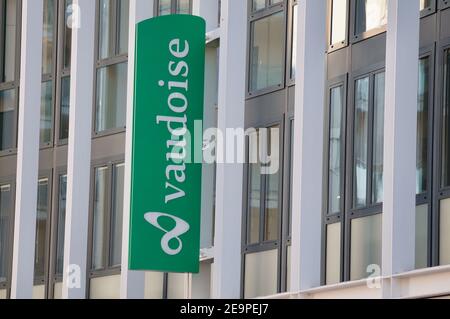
(253, 17)
(290, 80)
(107, 270)
(110, 61)
(262, 245)
(443, 4)
(9, 181)
(337, 46)
(355, 38)
(14, 85)
(173, 7)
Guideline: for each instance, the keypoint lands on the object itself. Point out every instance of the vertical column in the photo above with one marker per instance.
(132, 283)
(402, 53)
(308, 148)
(27, 150)
(79, 156)
(208, 10)
(229, 185)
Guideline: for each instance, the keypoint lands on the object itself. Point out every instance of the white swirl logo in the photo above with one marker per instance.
(181, 228)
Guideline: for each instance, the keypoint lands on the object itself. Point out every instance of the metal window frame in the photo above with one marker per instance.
(14, 85)
(355, 38)
(252, 18)
(290, 79)
(10, 181)
(336, 46)
(110, 164)
(173, 7)
(443, 4)
(109, 61)
(263, 246)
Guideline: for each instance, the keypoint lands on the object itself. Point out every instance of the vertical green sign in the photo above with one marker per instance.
(166, 183)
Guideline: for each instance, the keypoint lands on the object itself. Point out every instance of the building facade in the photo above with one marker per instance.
(358, 90)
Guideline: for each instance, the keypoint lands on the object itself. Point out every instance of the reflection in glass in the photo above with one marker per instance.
(444, 232)
(46, 112)
(422, 236)
(7, 119)
(422, 127)
(67, 34)
(6, 210)
(164, 7)
(117, 214)
(183, 7)
(41, 228)
(335, 151)
(261, 271)
(425, 4)
(8, 41)
(333, 261)
(100, 216)
(48, 36)
(107, 29)
(378, 139)
(123, 12)
(259, 4)
(365, 246)
(64, 109)
(360, 142)
(255, 203)
(267, 52)
(61, 224)
(446, 124)
(272, 210)
(294, 41)
(111, 97)
(339, 21)
(370, 14)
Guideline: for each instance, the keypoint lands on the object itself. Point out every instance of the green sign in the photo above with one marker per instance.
(166, 183)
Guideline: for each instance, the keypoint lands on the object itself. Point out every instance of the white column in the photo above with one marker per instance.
(308, 148)
(229, 185)
(79, 156)
(400, 131)
(132, 283)
(208, 10)
(27, 150)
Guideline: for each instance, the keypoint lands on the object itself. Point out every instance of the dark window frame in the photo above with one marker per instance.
(107, 270)
(14, 85)
(101, 63)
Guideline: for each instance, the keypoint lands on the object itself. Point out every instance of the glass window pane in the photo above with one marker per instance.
(164, 7)
(41, 228)
(261, 273)
(378, 139)
(64, 109)
(6, 210)
(48, 36)
(446, 124)
(333, 261)
(365, 246)
(7, 119)
(67, 34)
(370, 14)
(183, 7)
(339, 21)
(294, 41)
(100, 216)
(335, 149)
(444, 232)
(259, 4)
(360, 142)
(422, 126)
(8, 43)
(425, 4)
(111, 97)
(272, 205)
(46, 112)
(124, 13)
(422, 236)
(117, 214)
(107, 29)
(61, 224)
(272, 2)
(255, 203)
(267, 52)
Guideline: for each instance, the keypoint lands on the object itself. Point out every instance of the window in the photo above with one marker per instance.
(294, 40)
(338, 22)
(9, 62)
(42, 223)
(370, 15)
(60, 225)
(266, 52)
(107, 217)
(6, 227)
(166, 7)
(110, 109)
